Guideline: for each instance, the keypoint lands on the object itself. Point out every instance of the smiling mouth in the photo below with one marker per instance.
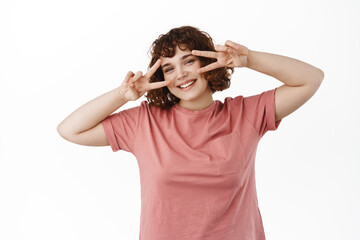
(191, 81)
(189, 87)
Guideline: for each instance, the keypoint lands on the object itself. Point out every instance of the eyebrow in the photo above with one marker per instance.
(183, 57)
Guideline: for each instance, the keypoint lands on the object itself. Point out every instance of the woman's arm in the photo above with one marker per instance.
(301, 80)
(290, 71)
(83, 125)
(91, 113)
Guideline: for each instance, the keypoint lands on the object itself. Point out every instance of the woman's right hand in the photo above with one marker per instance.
(135, 85)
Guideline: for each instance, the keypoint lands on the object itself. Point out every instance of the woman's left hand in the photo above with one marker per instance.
(230, 55)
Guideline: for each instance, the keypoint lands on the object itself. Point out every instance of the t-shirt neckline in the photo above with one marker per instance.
(205, 110)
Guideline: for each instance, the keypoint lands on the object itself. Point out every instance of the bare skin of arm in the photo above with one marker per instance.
(83, 126)
(301, 80)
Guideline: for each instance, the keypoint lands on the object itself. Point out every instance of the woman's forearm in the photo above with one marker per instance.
(288, 70)
(91, 113)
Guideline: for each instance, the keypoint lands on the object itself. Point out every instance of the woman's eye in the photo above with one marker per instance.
(167, 70)
(186, 62)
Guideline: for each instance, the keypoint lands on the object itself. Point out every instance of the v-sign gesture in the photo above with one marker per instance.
(230, 55)
(135, 85)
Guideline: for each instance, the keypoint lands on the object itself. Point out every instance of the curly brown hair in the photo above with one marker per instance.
(185, 37)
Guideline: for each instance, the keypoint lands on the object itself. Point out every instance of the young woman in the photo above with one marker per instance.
(196, 156)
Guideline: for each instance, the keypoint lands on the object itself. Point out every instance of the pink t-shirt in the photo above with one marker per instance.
(197, 167)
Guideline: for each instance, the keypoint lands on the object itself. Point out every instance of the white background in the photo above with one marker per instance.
(57, 55)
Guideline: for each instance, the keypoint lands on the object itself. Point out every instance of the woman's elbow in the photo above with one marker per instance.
(60, 129)
(322, 74)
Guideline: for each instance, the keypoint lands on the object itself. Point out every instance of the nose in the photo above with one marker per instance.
(181, 73)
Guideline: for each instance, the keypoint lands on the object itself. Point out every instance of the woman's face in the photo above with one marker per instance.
(180, 69)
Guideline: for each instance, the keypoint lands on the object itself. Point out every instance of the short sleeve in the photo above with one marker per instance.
(120, 129)
(260, 111)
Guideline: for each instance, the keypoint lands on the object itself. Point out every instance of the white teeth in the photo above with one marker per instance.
(188, 84)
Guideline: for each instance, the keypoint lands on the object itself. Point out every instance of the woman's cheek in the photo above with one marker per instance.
(172, 79)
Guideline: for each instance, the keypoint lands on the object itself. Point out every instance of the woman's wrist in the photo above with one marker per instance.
(249, 58)
(121, 95)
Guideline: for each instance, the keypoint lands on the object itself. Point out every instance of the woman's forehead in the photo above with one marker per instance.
(178, 53)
